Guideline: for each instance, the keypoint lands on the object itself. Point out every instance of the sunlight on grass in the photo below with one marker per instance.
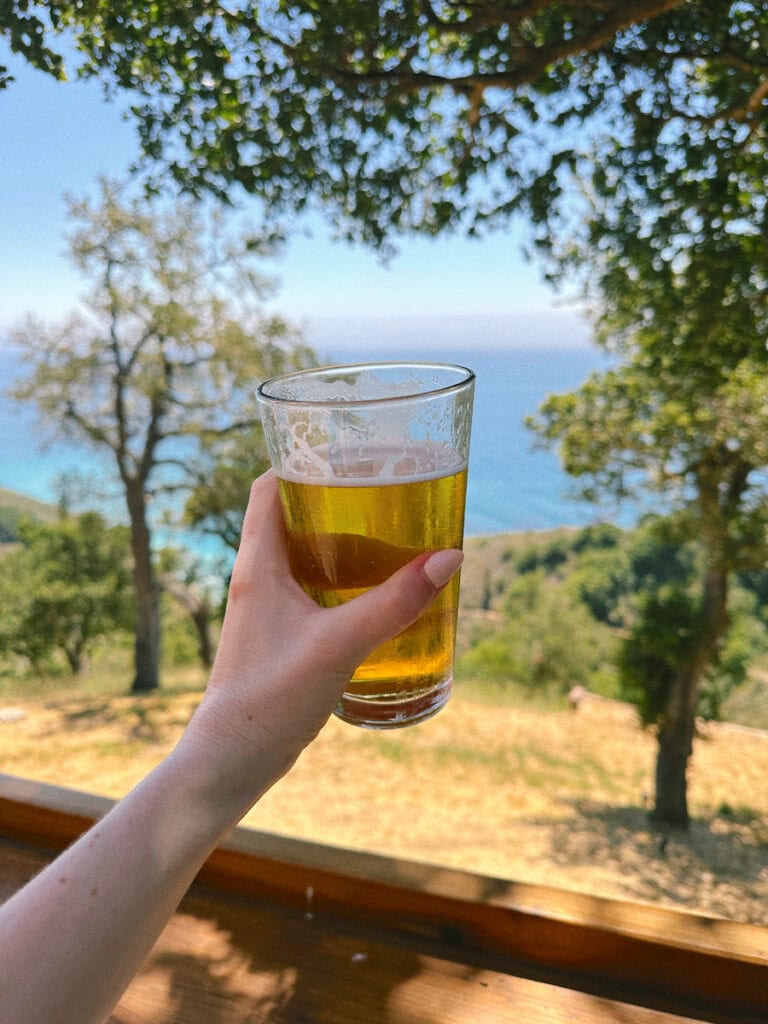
(513, 789)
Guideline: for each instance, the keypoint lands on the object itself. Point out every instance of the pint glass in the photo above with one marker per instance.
(371, 461)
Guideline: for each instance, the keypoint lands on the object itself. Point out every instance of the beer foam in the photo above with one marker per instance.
(358, 428)
(364, 465)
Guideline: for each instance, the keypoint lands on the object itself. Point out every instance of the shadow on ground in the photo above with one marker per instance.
(719, 866)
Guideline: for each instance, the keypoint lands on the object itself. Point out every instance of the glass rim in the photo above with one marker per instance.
(467, 378)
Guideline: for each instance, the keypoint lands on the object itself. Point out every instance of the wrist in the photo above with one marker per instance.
(226, 769)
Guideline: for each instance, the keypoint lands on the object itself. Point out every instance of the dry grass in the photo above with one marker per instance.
(514, 791)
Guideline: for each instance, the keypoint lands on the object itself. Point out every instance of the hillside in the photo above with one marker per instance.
(489, 569)
(24, 505)
(490, 563)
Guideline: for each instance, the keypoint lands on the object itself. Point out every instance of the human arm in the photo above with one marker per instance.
(72, 939)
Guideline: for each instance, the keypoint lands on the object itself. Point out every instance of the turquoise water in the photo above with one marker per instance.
(512, 486)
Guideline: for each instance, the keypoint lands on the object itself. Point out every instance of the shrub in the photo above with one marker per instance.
(601, 580)
(548, 643)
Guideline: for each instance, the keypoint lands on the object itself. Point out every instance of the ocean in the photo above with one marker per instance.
(513, 485)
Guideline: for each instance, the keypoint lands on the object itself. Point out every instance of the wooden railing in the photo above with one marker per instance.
(304, 932)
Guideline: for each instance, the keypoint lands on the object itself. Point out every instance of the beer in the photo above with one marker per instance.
(351, 532)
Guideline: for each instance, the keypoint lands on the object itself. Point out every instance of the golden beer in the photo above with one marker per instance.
(351, 532)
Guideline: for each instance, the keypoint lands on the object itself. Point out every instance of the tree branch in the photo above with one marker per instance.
(530, 63)
(89, 429)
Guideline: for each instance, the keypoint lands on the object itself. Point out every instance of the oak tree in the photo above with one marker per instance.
(681, 424)
(159, 367)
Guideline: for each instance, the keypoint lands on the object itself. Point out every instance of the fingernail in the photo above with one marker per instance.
(439, 567)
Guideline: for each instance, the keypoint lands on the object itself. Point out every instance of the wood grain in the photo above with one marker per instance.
(282, 930)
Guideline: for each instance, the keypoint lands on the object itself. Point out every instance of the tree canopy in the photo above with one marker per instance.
(436, 113)
(63, 587)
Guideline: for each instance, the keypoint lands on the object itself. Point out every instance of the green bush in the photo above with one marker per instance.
(549, 642)
(546, 556)
(598, 537)
(602, 581)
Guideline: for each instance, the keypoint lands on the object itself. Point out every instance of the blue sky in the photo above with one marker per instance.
(57, 138)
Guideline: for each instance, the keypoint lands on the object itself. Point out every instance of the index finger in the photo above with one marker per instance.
(263, 540)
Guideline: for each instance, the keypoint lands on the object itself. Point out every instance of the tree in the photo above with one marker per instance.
(67, 585)
(161, 367)
(697, 440)
(419, 116)
(670, 240)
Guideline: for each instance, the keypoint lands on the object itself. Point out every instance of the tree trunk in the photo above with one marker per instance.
(147, 592)
(202, 621)
(674, 750)
(74, 656)
(196, 603)
(678, 725)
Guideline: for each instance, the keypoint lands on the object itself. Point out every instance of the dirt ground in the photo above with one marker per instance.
(556, 797)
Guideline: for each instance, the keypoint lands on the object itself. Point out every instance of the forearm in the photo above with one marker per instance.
(72, 939)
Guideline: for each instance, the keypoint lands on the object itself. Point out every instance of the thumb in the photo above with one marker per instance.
(386, 610)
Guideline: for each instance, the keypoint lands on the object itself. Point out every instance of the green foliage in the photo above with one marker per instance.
(548, 642)
(27, 28)
(662, 642)
(66, 586)
(660, 552)
(665, 638)
(597, 536)
(547, 557)
(755, 581)
(217, 502)
(601, 580)
(441, 115)
(618, 614)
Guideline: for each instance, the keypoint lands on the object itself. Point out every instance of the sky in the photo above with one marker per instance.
(58, 138)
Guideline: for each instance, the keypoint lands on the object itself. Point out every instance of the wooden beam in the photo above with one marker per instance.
(645, 954)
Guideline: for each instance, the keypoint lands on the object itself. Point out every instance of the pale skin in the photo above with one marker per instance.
(72, 939)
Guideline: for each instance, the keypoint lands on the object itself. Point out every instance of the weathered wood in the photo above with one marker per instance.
(391, 933)
(224, 961)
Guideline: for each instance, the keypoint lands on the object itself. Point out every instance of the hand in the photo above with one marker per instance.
(283, 661)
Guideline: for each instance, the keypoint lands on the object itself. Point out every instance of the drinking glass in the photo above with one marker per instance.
(371, 461)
